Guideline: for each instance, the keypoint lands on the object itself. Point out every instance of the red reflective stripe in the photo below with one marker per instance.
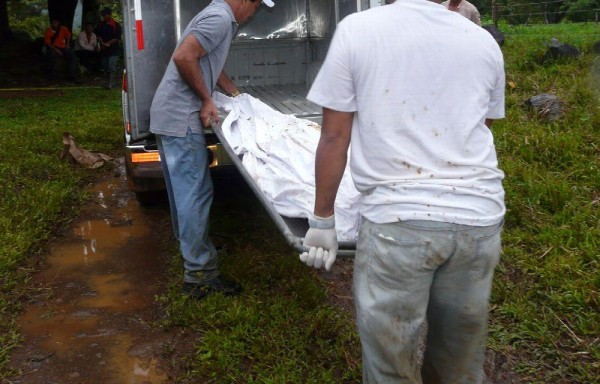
(140, 34)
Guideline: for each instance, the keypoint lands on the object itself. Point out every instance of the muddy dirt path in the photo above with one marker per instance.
(90, 321)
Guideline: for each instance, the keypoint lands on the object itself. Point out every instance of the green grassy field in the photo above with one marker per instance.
(41, 192)
(545, 312)
(545, 300)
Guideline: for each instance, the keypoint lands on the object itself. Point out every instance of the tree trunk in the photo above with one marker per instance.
(5, 32)
(91, 11)
(63, 11)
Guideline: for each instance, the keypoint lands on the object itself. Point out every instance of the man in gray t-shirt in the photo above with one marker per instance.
(182, 106)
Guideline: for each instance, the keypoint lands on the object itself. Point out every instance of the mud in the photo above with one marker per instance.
(90, 321)
(92, 318)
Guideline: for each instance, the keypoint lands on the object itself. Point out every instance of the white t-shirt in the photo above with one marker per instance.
(84, 44)
(422, 81)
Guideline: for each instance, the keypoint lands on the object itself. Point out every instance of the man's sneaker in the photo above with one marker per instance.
(215, 285)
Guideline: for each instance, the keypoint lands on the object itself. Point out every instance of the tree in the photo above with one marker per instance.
(91, 10)
(63, 11)
(4, 25)
(21, 10)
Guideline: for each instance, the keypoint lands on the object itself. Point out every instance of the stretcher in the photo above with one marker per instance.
(289, 100)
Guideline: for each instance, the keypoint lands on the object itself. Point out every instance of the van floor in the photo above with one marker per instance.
(287, 99)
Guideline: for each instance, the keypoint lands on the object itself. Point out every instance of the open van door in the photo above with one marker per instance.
(151, 29)
(271, 58)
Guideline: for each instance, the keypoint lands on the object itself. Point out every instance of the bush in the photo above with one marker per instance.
(31, 28)
(581, 10)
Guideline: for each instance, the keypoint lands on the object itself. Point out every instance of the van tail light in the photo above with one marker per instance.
(124, 85)
(145, 157)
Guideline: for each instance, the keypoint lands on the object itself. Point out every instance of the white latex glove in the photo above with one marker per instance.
(321, 241)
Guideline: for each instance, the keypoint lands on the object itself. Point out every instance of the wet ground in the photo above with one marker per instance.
(90, 320)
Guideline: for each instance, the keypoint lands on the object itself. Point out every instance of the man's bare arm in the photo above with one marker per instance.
(224, 82)
(186, 58)
(331, 158)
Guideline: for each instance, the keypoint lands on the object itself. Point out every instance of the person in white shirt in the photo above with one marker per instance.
(87, 49)
(414, 90)
(464, 8)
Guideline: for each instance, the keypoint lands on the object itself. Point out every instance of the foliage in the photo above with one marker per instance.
(19, 10)
(32, 27)
(517, 12)
(30, 17)
(581, 10)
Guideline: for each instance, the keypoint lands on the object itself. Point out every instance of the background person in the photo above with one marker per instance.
(108, 32)
(417, 110)
(87, 49)
(57, 43)
(181, 108)
(464, 8)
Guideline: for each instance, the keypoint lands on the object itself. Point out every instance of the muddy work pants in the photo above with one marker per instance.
(408, 271)
(189, 186)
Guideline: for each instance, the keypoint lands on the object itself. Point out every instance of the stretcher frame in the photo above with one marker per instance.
(292, 228)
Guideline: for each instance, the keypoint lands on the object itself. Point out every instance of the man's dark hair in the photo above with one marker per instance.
(106, 11)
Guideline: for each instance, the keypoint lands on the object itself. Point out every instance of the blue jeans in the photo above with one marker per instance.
(408, 271)
(189, 186)
(109, 63)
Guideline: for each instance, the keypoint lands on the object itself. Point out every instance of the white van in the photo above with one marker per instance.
(274, 58)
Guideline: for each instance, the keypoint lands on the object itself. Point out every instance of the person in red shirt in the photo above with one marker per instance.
(57, 43)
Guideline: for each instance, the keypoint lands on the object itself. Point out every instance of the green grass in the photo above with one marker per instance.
(281, 329)
(546, 292)
(41, 192)
(545, 305)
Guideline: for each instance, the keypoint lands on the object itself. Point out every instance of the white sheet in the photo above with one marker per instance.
(279, 153)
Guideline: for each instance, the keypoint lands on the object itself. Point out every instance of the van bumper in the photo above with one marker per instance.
(144, 176)
(147, 176)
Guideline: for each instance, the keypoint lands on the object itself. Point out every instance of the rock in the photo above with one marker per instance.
(558, 50)
(547, 106)
(495, 32)
(596, 47)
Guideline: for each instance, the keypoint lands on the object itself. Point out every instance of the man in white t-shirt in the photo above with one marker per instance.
(464, 8)
(416, 89)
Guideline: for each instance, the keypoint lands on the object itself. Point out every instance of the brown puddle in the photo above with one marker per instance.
(90, 322)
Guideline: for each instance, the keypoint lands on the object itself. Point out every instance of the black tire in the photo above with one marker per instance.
(147, 199)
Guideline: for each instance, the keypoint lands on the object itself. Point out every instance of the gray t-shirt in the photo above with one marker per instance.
(176, 106)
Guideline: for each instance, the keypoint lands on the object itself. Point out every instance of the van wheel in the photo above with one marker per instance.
(146, 199)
